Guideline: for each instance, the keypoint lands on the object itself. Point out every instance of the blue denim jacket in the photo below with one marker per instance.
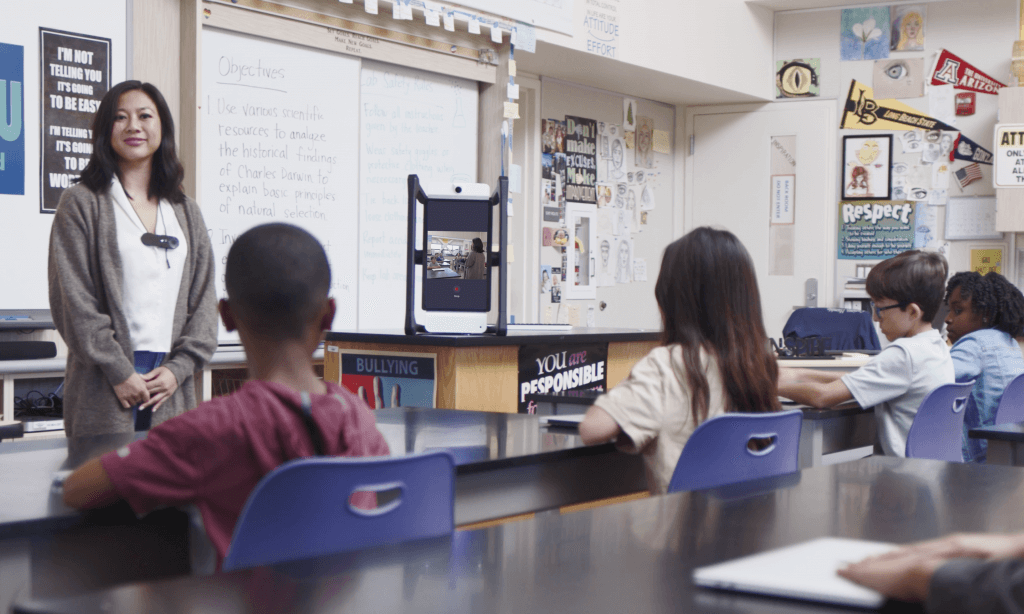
(993, 359)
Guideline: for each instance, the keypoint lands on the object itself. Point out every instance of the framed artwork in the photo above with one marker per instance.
(867, 162)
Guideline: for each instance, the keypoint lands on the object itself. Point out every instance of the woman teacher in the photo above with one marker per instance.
(131, 273)
(476, 262)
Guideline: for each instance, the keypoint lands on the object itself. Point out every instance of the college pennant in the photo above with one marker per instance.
(966, 149)
(953, 70)
(863, 112)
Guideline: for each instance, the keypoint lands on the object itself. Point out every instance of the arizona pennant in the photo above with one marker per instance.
(966, 149)
(953, 70)
(863, 112)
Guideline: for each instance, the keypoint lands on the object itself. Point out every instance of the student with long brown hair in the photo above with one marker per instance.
(714, 358)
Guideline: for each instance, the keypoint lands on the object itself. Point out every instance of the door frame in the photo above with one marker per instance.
(827, 286)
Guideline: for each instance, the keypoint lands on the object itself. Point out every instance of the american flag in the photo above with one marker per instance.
(968, 174)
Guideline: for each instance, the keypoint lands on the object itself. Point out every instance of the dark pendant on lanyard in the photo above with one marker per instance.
(165, 241)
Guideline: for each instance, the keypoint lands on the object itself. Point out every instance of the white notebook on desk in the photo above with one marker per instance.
(805, 571)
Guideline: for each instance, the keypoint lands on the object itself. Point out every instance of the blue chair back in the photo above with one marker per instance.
(302, 508)
(938, 428)
(716, 454)
(1011, 404)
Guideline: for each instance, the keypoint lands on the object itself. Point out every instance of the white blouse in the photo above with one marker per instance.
(151, 275)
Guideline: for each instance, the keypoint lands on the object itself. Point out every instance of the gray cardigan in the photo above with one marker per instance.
(85, 279)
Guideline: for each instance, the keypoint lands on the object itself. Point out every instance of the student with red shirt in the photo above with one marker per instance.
(277, 280)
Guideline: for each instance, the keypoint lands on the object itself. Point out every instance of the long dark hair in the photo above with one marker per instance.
(708, 296)
(167, 173)
(478, 245)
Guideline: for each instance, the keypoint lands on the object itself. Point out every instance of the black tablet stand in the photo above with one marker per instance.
(415, 256)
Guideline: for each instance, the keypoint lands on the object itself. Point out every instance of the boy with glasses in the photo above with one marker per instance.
(906, 292)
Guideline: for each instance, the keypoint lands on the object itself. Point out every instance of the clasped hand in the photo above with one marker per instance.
(148, 390)
(905, 573)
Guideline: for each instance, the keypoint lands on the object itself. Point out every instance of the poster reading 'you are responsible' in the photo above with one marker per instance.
(874, 230)
(74, 77)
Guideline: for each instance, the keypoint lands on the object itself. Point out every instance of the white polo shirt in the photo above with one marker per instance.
(151, 275)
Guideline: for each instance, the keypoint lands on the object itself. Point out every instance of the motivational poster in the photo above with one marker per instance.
(74, 77)
(12, 119)
(580, 160)
(875, 230)
(549, 369)
(390, 380)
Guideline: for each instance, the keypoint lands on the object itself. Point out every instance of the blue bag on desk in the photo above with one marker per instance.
(849, 329)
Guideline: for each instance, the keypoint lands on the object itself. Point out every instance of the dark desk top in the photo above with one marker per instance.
(480, 441)
(630, 557)
(576, 335)
(1003, 432)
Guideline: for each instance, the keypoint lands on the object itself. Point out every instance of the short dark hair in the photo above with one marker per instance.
(278, 278)
(911, 277)
(167, 174)
(993, 297)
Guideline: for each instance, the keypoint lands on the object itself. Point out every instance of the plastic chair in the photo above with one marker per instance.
(1011, 404)
(938, 428)
(302, 508)
(717, 454)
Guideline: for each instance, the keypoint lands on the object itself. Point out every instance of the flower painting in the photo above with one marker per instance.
(865, 34)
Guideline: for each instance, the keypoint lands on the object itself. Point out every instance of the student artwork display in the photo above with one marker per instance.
(797, 78)
(617, 161)
(926, 222)
(864, 34)
(645, 142)
(951, 69)
(866, 166)
(624, 261)
(940, 103)
(875, 230)
(863, 111)
(384, 379)
(907, 27)
(628, 115)
(899, 78)
(606, 246)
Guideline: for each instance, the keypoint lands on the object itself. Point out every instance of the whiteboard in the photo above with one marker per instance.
(411, 122)
(25, 232)
(280, 144)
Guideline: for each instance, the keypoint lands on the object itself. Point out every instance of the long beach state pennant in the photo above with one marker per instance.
(953, 70)
(863, 112)
(966, 149)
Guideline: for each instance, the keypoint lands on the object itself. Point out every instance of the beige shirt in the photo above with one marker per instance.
(652, 407)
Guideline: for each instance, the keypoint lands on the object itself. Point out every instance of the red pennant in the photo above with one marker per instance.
(953, 70)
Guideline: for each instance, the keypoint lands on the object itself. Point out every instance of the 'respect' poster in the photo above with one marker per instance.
(875, 230)
(580, 160)
(74, 77)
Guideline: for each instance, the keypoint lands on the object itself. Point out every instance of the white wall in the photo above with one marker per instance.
(724, 43)
(980, 31)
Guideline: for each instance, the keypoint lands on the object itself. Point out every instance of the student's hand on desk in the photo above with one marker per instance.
(161, 384)
(967, 545)
(901, 574)
(132, 391)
